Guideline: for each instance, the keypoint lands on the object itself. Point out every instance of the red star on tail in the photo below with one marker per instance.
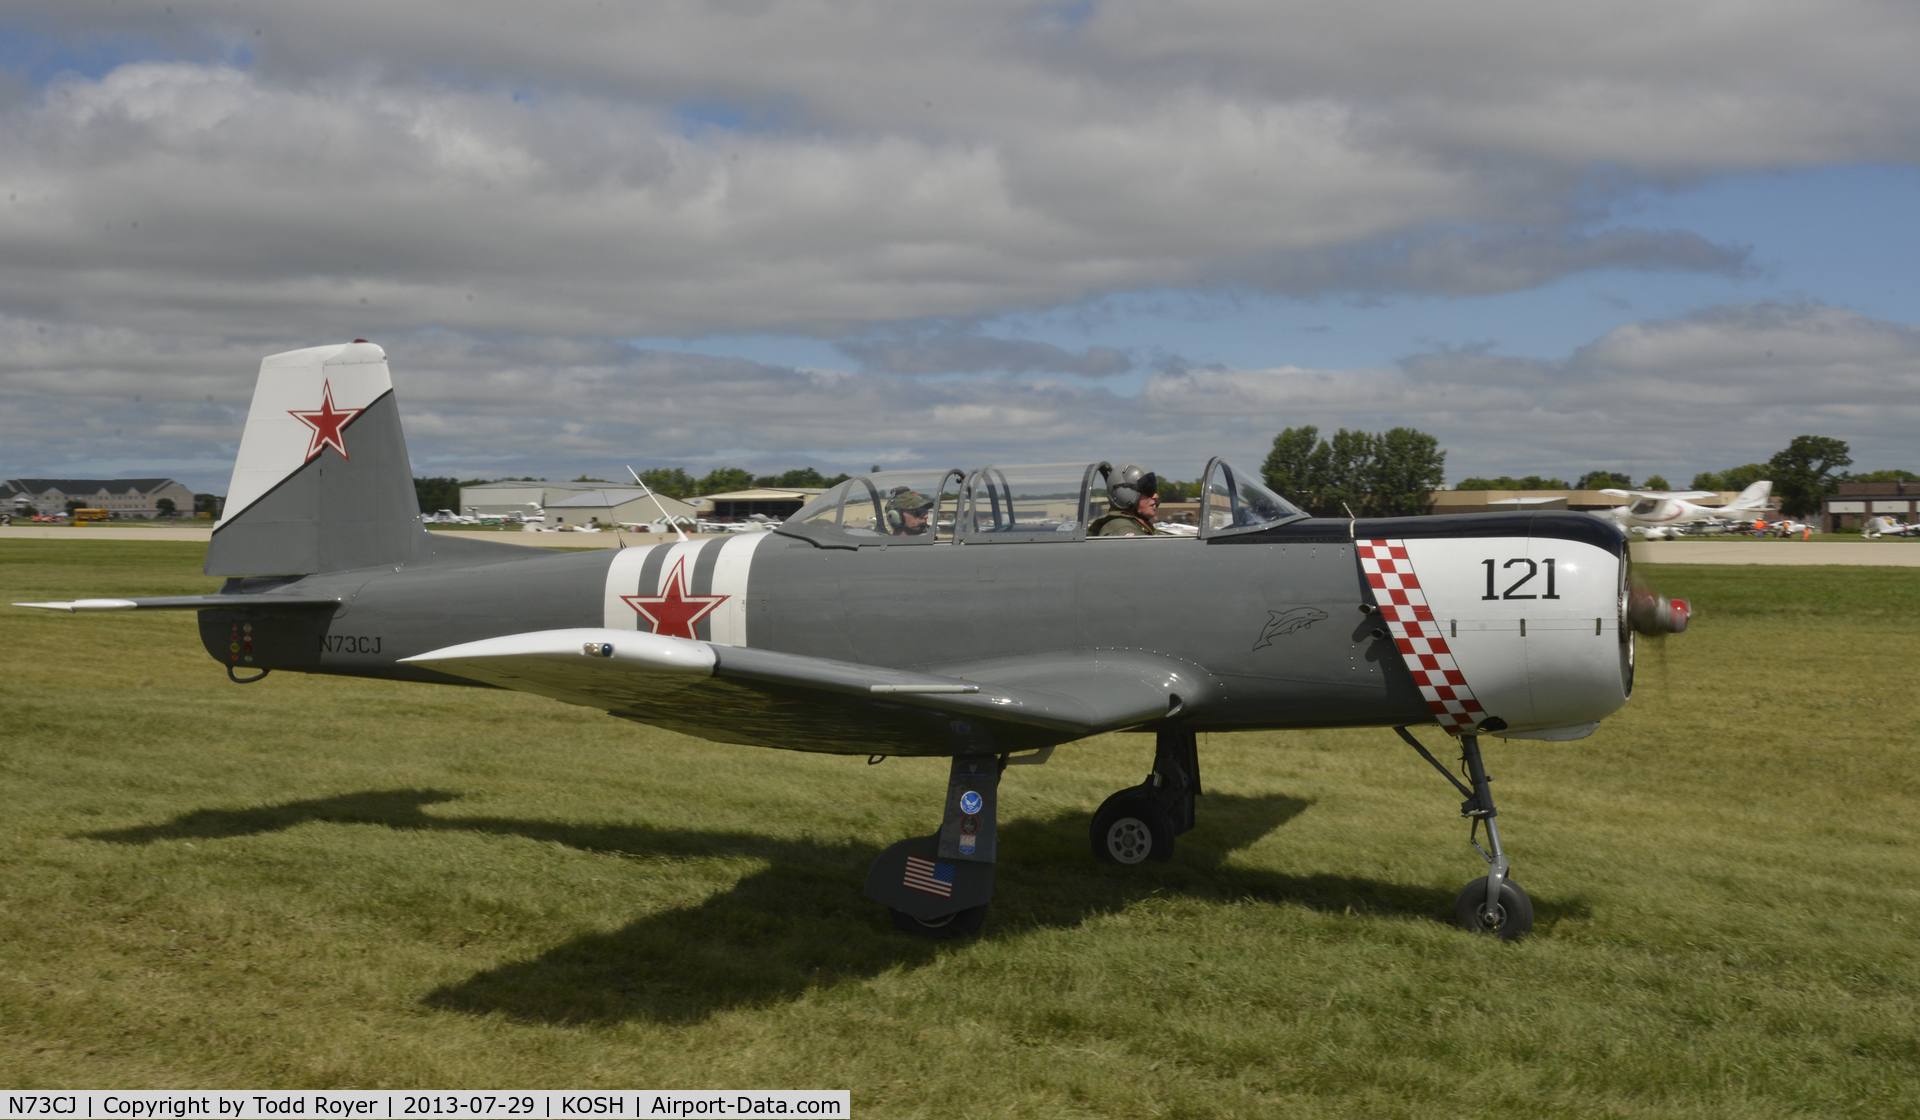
(326, 423)
(673, 612)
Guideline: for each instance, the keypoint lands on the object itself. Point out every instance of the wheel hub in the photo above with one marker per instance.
(1130, 840)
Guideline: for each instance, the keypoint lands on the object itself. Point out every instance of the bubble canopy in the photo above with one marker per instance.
(1014, 504)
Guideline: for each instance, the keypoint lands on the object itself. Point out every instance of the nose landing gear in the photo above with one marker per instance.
(1493, 903)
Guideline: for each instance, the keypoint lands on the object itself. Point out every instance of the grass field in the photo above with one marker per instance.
(316, 882)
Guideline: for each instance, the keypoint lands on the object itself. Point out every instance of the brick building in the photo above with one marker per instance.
(1854, 502)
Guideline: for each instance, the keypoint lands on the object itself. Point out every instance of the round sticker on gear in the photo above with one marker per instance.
(970, 803)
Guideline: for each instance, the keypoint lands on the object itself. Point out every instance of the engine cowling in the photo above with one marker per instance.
(1517, 636)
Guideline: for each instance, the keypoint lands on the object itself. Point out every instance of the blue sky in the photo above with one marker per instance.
(1559, 239)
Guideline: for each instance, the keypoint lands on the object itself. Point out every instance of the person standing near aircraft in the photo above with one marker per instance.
(1135, 494)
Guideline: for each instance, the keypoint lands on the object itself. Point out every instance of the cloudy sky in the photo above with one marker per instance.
(1644, 236)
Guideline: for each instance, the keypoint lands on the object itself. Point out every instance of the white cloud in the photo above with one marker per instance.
(374, 168)
(1726, 386)
(500, 192)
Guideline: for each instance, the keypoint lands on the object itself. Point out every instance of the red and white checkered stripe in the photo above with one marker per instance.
(1403, 605)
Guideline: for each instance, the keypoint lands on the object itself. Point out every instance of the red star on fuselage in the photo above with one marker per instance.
(326, 423)
(674, 611)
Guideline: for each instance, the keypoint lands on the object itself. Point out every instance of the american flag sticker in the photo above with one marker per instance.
(929, 875)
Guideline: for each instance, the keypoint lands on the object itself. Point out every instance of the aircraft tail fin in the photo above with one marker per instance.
(1754, 497)
(322, 482)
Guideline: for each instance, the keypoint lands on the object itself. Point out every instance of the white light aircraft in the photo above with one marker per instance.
(1654, 514)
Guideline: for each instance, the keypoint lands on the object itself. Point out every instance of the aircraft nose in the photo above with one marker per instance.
(1651, 614)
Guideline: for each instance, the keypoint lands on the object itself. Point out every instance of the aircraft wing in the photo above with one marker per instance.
(260, 601)
(1682, 495)
(810, 703)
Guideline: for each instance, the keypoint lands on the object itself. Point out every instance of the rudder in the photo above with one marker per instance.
(1754, 497)
(322, 482)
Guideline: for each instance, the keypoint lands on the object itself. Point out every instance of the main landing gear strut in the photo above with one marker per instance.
(1495, 903)
(1139, 823)
(939, 886)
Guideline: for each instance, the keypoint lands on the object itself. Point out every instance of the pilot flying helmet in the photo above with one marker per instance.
(1131, 483)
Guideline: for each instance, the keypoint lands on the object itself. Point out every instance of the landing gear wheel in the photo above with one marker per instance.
(948, 927)
(1509, 920)
(1128, 830)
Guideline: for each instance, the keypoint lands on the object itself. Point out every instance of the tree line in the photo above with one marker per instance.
(1368, 474)
(1393, 473)
(1373, 474)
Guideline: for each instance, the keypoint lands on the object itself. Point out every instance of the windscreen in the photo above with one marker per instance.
(1235, 502)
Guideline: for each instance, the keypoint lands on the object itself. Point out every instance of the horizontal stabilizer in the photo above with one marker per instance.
(261, 602)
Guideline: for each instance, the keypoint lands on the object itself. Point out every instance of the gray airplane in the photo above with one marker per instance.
(960, 614)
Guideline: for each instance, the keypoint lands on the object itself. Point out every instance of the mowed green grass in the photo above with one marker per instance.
(314, 882)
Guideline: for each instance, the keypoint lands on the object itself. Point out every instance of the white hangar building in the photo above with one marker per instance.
(571, 503)
(137, 498)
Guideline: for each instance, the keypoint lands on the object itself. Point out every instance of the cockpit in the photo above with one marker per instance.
(1016, 504)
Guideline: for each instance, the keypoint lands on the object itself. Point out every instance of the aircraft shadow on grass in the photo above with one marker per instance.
(801, 923)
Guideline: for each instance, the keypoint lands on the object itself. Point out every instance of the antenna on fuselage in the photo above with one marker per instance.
(648, 490)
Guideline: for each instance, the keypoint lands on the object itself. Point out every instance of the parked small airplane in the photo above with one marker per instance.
(991, 632)
(1654, 514)
(1882, 526)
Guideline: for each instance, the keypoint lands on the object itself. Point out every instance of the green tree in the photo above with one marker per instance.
(206, 503)
(1508, 482)
(721, 480)
(1291, 471)
(440, 493)
(1885, 476)
(1656, 482)
(1805, 472)
(802, 476)
(1407, 467)
(166, 507)
(1348, 472)
(1736, 478)
(584, 478)
(1390, 474)
(673, 482)
(1603, 480)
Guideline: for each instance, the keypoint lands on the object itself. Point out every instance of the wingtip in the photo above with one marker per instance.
(85, 605)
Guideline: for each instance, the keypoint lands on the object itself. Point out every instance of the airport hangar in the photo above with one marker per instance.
(570, 503)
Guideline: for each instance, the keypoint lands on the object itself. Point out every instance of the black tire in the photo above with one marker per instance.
(1509, 921)
(961, 923)
(1129, 831)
